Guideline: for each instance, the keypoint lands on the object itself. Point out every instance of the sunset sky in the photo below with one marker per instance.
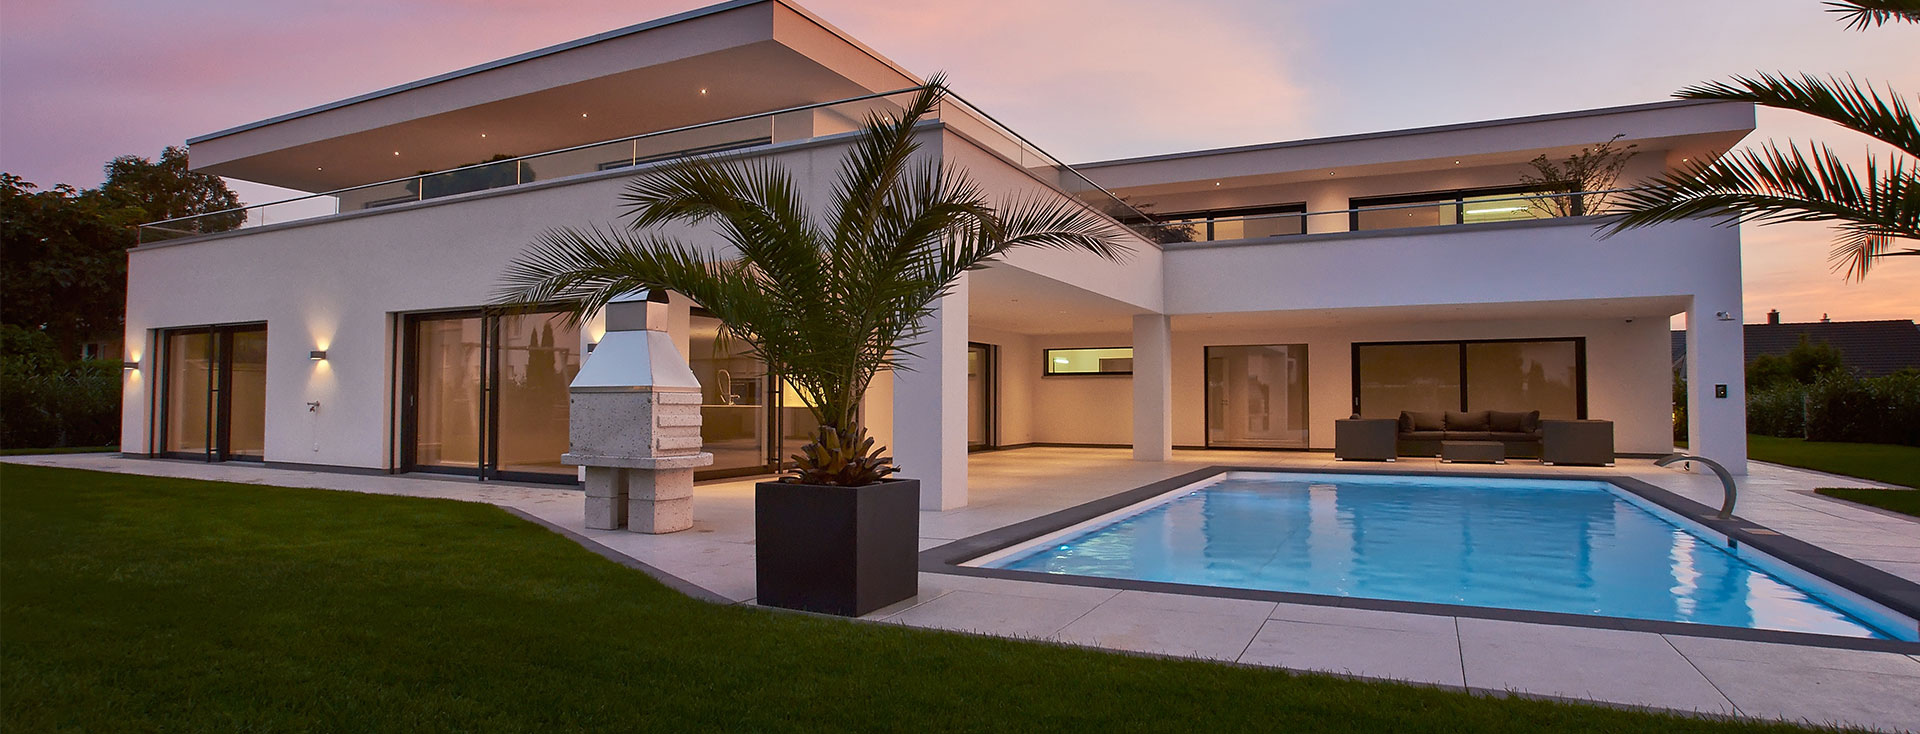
(82, 81)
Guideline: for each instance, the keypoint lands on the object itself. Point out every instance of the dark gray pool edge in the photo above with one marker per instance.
(1893, 592)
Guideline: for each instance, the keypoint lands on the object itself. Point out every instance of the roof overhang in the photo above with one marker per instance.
(1673, 129)
(749, 56)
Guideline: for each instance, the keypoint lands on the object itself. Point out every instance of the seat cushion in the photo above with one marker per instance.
(1424, 435)
(1501, 421)
(1469, 436)
(1469, 421)
(1422, 420)
(1521, 436)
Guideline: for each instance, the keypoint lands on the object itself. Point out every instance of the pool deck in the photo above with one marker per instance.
(1822, 685)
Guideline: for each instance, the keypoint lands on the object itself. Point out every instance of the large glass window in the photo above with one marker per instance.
(214, 400)
(1238, 224)
(446, 397)
(1397, 377)
(1094, 361)
(189, 419)
(488, 393)
(1470, 206)
(733, 397)
(1547, 375)
(1257, 396)
(980, 396)
(538, 356)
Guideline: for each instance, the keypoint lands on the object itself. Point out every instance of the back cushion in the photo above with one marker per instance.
(1424, 420)
(1531, 423)
(1474, 421)
(1500, 421)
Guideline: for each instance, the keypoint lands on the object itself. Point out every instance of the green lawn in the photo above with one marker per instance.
(142, 604)
(1879, 462)
(1905, 501)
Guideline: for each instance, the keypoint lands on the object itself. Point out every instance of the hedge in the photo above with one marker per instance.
(70, 404)
(1839, 407)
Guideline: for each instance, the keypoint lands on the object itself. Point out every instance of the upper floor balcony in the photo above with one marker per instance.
(762, 133)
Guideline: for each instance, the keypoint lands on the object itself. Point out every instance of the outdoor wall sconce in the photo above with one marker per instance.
(317, 355)
(130, 365)
(591, 345)
(1722, 316)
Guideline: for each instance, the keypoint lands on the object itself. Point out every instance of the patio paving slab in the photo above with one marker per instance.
(1635, 668)
(1393, 654)
(995, 614)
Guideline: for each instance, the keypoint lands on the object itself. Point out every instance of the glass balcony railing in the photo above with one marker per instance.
(737, 134)
(1470, 209)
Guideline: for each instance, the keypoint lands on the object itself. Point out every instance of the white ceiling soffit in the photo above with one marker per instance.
(749, 57)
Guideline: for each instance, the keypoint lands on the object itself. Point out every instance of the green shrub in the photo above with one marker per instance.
(1874, 410)
(1778, 410)
(47, 403)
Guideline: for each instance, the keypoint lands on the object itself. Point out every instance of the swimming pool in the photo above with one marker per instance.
(1549, 545)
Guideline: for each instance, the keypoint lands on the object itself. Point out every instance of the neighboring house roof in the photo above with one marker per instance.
(1869, 348)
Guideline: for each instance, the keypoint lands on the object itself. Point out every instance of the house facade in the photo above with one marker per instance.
(1273, 289)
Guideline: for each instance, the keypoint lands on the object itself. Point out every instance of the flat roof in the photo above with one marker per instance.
(1428, 130)
(549, 51)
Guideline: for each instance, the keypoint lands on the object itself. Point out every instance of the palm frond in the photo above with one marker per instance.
(1846, 102)
(1861, 15)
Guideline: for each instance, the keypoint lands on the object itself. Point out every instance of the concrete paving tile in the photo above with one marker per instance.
(1886, 663)
(1817, 695)
(1164, 631)
(1008, 587)
(1397, 654)
(995, 614)
(1635, 668)
(1368, 618)
(1186, 603)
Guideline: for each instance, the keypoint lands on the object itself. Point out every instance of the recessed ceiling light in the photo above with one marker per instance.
(1456, 163)
(396, 152)
(483, 135)
(703, 90)
(583, 114)
(1216, 183)
(317, 168)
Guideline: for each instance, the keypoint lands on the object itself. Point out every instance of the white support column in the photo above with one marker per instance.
(930, 406)
(1152, 387)
(1716, 359)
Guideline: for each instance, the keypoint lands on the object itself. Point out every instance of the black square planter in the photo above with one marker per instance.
(836, 550)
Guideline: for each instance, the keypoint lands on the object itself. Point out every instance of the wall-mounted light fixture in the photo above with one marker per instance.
(1722, 316)
(591, 345)
(133, 364)
(317, 355)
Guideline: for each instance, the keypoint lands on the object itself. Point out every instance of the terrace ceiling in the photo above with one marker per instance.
(730, 60)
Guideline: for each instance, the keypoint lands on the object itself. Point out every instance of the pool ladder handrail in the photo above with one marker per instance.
(1726, 478)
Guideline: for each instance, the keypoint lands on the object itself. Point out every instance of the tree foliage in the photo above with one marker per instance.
(1803, 364)
(63, 262)
(1595, 168)
(826, 299)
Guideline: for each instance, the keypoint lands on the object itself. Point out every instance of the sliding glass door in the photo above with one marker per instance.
(1257, 396)
(980, 396)
(1548, 375)
(214, 399)
(486, 394)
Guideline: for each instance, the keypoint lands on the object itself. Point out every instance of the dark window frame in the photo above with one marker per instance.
(990, 375)
(1209, 215)
(488, 466)
(1046, 362)
(1579, 364)
(219, 418)
(1206, 396)
(1456, 197)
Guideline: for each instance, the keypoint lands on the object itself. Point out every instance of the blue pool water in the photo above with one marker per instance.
(1544, 545)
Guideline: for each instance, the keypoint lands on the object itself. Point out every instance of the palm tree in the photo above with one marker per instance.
(1877, 214)
(825, 302)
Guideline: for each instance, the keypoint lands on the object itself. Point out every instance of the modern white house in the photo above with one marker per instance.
(1274, 288)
